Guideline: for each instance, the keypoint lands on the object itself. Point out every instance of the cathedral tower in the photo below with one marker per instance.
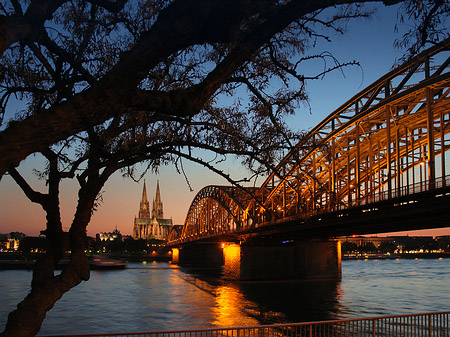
(154, 226)
(144, 210)
(157, 212)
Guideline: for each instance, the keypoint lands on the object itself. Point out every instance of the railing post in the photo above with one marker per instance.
(388, 150)
(333, 175)
(406, 161)
(442, 149)
(429, 325)
(349, 184)
(430, 140)
(370, 172)
(399, 168)
(357, 164)
(313, 176)
(284, 192)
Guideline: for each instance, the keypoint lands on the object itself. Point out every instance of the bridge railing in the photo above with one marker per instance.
(402, 191)
(416, 325)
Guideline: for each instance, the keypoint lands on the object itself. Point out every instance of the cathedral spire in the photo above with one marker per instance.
(151, 225)
(157, 211)
(158, 194)
(144, 194)
(144, 210)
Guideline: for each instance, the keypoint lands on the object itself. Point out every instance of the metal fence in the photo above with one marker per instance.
(416, 325)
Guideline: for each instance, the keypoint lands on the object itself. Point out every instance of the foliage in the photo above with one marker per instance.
(349, 247)
(387, 247)
(104, 85)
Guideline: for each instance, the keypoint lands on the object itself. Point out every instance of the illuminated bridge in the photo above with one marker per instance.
(376, 164)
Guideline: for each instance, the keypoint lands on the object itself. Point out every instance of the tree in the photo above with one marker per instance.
(95, 155)
(387, 247)
(148, 38)
(368, 247)
(349, 247)
(110, 84)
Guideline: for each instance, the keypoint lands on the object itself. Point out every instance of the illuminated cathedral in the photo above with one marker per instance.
(152, 226)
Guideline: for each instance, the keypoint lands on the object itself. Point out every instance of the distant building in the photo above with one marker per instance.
(106, 236)
(362, 241)
(10, 241)
(403, 243)
(153, 226)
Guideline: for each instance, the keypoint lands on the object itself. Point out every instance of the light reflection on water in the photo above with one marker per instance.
(162, 296)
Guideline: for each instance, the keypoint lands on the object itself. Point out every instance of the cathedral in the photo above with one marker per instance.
(152, 226)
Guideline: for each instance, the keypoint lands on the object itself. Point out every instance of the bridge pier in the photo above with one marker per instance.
(199, 254)
(298, 260)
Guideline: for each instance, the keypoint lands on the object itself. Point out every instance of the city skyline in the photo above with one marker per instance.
(368, 42)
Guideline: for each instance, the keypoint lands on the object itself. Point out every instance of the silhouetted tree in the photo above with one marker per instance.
(81, 62)
(29, 244)
(387, 247)
(135, 246)
(349, 247)
(412, 245)
(368, 247)
(108, 84)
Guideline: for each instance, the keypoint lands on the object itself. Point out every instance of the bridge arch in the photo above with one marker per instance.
(215, 210)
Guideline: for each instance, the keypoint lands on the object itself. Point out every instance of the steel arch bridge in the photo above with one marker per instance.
(387, 142)
(216, 210)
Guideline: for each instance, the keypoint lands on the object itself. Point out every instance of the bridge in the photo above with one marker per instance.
(376, 164)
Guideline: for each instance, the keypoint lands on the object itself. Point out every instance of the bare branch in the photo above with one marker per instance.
(31, 194)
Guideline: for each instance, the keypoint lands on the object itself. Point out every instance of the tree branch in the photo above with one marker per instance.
(31, 194)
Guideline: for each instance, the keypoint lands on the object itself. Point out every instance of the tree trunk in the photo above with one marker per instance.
(46, 288)
(27, 319)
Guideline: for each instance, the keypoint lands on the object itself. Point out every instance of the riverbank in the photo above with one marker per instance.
(375, 256)
(19, 260)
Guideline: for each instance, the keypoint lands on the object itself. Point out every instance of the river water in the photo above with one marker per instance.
(160, 296)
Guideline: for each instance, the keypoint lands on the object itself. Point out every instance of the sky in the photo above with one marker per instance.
(371, 43)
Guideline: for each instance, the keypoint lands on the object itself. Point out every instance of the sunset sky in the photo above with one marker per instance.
(368, 42)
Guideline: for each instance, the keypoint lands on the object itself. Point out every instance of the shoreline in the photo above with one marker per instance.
(19, 260)
(376, 256)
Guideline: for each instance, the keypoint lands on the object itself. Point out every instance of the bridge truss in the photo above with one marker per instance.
(386, 142)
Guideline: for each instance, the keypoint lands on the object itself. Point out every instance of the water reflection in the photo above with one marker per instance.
(188, 303)
(253, 303)
(232, 308)
(296, 301)
(161, 297)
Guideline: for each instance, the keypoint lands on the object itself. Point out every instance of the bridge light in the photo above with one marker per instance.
(175, 255)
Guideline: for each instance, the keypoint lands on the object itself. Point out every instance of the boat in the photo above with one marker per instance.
(103, 263)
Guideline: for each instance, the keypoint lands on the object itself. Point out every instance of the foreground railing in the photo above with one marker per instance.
(416, 325)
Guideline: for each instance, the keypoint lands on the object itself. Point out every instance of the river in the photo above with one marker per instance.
(160, 296)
